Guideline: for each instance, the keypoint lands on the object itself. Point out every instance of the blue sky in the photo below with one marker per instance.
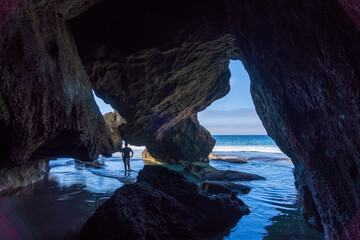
(104, 108)
(234, 114)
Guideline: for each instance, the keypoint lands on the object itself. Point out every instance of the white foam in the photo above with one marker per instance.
(266, 149)
(137, 148)
(116, 154)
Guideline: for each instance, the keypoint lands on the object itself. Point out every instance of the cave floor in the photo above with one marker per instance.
(58, 206)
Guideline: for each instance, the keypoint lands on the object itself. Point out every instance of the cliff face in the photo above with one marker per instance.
(303, 61)
(161, 62)
(46, 105)
(170, 61)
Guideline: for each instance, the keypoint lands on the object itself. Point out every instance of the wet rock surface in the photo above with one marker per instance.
(216, 187)
(227, 159)
(206, 172)
(162, 204)
(21, 176)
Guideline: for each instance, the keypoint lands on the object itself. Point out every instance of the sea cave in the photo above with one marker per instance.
(158, 64)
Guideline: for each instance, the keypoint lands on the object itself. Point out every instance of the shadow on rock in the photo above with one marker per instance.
(207, 172)
(216, 187)
(163, 204)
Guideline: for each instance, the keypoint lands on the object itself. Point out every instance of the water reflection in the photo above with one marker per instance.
(289, 224)
(51, 210)
(270, 201)
(57, 207)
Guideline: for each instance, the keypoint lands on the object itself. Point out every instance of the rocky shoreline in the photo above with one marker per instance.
(77, 168)
(204, 171)
(163, 204)
(214, 157)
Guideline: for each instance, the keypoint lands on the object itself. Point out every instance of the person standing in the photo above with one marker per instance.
(126, 157)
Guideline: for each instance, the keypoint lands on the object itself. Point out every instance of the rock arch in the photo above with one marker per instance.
(159, 63)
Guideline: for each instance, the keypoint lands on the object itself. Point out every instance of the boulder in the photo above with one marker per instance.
(216, 187)
(206, 172)
(163, 204)
(214, 157)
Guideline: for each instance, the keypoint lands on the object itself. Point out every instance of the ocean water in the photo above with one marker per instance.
(275, 211)
(57, 207)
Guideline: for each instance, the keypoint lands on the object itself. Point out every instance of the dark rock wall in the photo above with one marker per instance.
(113, 121)
(352, 8)
(303, 58)
(149, 60)
(46, 105)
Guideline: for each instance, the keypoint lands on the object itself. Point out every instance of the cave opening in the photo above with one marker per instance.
(235, 113)
(103, 107)
(160, 92)
(239, 134)
(303, 58)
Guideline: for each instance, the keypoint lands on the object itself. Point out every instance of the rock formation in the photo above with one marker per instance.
(160, 62)
(47, 109)
(204, 172)
(148, 67)
(304, 68)
(23, 175)
(227, 159)
(216, 187)
(146, 155)
(162, 204)
(308, 207)
(113, 122)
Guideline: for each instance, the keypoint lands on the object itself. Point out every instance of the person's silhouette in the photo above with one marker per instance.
(126, 157)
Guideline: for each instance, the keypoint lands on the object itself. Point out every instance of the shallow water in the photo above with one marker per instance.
(57, 207)
(275, 213)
